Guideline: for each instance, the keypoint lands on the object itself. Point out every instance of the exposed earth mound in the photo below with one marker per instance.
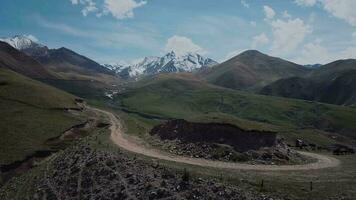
(224, 142)
(241, 140)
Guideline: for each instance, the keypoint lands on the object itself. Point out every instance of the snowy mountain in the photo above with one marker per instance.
(27, 44)
(22, 42)
(169, 63)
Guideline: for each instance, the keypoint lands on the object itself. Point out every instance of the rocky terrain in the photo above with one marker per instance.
(223, 142)
(278, 155)
(241, 140)
(84, 172)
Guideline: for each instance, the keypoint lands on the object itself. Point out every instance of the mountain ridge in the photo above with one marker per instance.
(61, 59)
(251, 70)
(169, 63)
(331, 83)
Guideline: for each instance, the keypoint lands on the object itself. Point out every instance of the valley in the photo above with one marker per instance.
(173, 127)
(119, 139)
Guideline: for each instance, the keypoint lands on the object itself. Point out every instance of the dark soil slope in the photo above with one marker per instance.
(241, 140)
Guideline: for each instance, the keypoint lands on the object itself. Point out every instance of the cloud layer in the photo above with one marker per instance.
(119, 9)
(182, 45)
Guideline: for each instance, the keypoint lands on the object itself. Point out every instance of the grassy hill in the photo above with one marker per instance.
(333, 83)
(181, 96)
(251, 70)
(31, 113)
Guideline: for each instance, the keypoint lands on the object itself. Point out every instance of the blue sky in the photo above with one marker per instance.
(303, 31)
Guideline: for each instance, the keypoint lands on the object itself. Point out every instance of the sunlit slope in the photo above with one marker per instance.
(181, 96)
(31, 113)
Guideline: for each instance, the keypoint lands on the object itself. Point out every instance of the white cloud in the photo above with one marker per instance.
(269, 12)
(103, 37)
(306, 2)
(75, 2)
(261, 39)
(64, 28)
(232, 54)
(245, 4)
(182, 45)
(253, 23)
(314, 52)
(287, 35)
(348, 53)
(286, 14)
(122, 9)
(88, 6)
(343, 9)
(32, 37)
(354, 36)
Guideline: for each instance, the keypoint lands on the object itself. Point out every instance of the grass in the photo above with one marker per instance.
(31, 114)
(82, 88)
(296, 184)
(25, 90)
(327, 183)
(171, 96)
(183, 97)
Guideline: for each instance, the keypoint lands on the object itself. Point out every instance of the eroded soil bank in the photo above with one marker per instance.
(224, 142)
(241, 140)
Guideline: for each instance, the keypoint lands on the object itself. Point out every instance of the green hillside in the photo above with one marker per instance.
(179, 96)
(31, 113)
(333, 83)
(251, 70)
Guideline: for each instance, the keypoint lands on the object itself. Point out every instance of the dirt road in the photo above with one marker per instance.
(124, 142)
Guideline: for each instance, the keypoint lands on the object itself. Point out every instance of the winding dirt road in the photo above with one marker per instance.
(119, 139)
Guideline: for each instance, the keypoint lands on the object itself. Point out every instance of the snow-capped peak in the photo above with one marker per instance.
(169, 63)
(22, 42)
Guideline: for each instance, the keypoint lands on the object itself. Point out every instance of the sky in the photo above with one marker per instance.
(109, 31)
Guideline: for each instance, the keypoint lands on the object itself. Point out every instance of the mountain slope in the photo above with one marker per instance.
(332, 83)
(169, 63)
(185, 97)
(63, 59)
(251, 70)
(64, 63)
(332, 70)
(15, 60)
(32, 112)
(70, 71)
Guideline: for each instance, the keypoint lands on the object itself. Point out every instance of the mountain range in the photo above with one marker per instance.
(62, 67)
(251, 71)
(62, 62)
(171, 62)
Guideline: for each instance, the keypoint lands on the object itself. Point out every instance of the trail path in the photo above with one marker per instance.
(119, 139)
